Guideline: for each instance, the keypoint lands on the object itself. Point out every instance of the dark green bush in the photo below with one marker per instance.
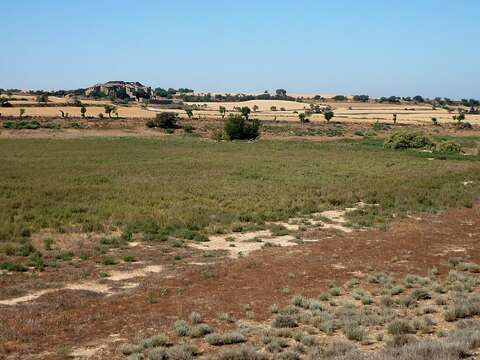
(52, 125)
(13, 267)
(237, 128)
(21, 124)
(407, 140)
(378, 126)
(164, 120)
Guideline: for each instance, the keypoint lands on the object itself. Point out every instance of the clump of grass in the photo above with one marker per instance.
(379, 278)
(233, 337)
(10, 266)
(274, 309)
(128, 349)
(181, 328)
(354, 332)
(471, 267)
(129, 258)
(182, 352)
(227, 317)
(284, 321)
(352, 283)
(396, 290)
(335, 291)
(279, 230)
(200, 330)
(109, 261)
(195, 318)
(241, 353)
(421, 294)
(400, 327)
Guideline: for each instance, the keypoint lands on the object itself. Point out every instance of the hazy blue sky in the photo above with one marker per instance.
(377, 47)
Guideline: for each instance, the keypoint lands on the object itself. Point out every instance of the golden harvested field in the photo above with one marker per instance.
(344, 111)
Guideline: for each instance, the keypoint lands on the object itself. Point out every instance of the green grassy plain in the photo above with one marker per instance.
(96, 184)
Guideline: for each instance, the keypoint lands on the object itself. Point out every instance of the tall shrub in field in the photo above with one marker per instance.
(164, 120)
(328, 115)
(238, 128)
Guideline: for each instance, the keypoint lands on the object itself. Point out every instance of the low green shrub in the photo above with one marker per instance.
(9, 266)
(408, 140)
(450, 147)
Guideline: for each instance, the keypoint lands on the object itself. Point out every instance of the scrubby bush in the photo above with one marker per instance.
(23, 124)
(164, 120)
(451, 147)
(464, 125)
(238, 128)
(407, 140)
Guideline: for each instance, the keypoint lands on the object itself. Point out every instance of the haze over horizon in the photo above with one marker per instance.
(410, 48)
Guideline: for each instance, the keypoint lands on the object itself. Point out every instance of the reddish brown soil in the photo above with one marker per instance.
(74, 318)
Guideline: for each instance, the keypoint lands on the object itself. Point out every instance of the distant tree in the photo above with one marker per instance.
(434, 121)
(185, 90)
(328, 115)
(189, 113)
(303, 118)
(340, 98)
(109, 109)
(83, 110)
(76, 101)
(245, 111)
(21, 112)
(273, 108)
(42, 98)
(281, 92)
(362, 98)
(315, 109)
(318, 98)
(4, 102)
(141, 94)
(222, 110)
(121, 93)
(418, 99)
(161, 92)
(255, 108)
(98, 94)
(164, 120)
(394, 119)
(459, 118)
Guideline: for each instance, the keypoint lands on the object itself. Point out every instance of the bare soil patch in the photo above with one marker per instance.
(272, 275)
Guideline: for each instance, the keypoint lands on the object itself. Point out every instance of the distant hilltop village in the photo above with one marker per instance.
(120, 90)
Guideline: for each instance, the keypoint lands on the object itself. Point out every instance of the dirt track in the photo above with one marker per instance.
(80, 318)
